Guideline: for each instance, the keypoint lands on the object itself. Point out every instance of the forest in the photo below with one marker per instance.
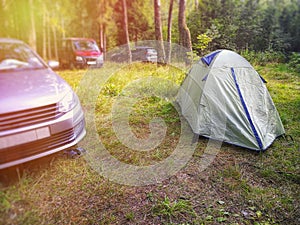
(269, 26)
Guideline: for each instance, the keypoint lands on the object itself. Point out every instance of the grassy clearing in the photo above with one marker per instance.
(284, 86)
(239, 187)
(147, 105)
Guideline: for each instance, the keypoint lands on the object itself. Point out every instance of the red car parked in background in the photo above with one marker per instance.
(80, 53)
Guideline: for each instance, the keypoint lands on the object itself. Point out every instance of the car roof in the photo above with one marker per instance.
(143, 47)
(10, 40)
(79, 39)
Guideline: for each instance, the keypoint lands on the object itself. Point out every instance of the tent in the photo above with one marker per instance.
(224, 98)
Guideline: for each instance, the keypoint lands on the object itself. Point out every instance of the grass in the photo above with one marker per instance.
(165, 208)
(239, 187)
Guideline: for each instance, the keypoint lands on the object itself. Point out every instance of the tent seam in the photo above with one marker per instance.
(246, 110)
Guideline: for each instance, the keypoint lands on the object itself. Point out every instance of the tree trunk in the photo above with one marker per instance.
(44, 33)
(32, 33)
(63, 27)
(101, 36)
(55, 42)
(5, 23)
(102, 39)
(184, 32)
(169, 38)
(125, 22)
(196, 4)
(104, 45)
(49, 38)
(158, 32)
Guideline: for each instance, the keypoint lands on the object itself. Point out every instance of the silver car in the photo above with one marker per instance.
(39, 112)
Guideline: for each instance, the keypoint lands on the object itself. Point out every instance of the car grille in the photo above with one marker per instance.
(28, 117)
(36, 147)
(91, 59)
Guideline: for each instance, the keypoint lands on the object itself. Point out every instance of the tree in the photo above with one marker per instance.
(169, 37)
(196, 3)
(140, 21)
(295, 30)
(32, 32)
(125, 27)
(184, 32)
(104, 13)
(158, 32)
(259, 25)
(247, 25)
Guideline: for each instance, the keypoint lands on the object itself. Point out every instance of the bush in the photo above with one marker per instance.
(262, 58)
(294, 62)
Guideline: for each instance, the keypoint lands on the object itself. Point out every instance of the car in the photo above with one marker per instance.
(144, 54)
(40, 114)
(139, 53)
(79, 53)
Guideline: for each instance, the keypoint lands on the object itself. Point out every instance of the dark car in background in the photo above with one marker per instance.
(144, 54)
(139, 53)
(39, 112)
(79, 53)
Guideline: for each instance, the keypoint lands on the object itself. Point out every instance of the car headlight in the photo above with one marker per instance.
(79, 58)
(68, 102)
(100, 59)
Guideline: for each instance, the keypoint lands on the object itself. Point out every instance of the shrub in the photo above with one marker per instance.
(294, 62)
(262, 58)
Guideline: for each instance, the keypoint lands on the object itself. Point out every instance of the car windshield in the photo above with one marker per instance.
(15, 56)
(86, 46)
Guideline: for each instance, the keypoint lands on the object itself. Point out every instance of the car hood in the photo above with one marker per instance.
(21, 90)
(88, 53)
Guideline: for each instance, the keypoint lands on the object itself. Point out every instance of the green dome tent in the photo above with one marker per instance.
(224, 98)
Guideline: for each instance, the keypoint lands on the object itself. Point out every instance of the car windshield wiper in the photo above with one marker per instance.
(19, 68)
(36, 67)
(11, 68)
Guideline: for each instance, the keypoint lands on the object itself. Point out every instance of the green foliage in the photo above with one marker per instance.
(170, 78)
(153, 88)
(294, 62)
(193, 56)
(203, 41)
(283, 85)
(130, 216)
(111, 89)
(262, 26)
(172, 209)
(4, 203)
(269, 25)
(263, 58)
(140, 21)
(221, 219)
